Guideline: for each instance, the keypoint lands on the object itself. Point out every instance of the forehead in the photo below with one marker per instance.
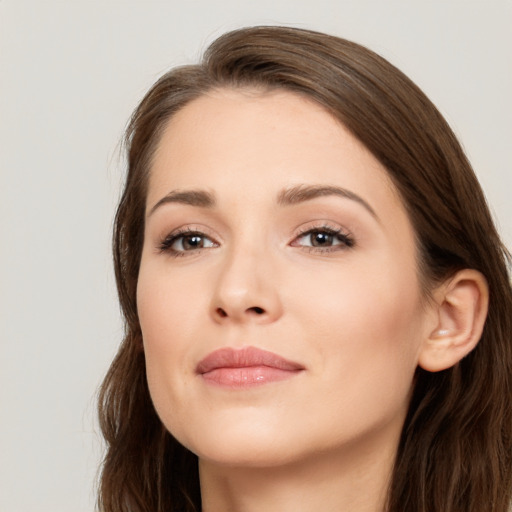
(251, 142)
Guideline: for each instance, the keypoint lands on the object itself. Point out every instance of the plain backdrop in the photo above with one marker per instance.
(71, 72)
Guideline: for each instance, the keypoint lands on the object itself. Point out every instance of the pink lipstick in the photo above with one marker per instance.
(246, 367)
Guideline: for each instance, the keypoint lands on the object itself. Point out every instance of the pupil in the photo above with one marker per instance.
(322, 239)
(193, 242)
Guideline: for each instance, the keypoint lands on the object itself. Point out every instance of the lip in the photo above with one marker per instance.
(246, 367)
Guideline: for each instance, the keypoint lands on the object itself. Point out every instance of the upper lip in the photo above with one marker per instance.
(245, 357)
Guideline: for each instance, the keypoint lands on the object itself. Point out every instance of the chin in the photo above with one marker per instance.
(247, 458)
(255, 447)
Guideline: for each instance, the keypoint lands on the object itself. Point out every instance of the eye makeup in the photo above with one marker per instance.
(324, 239)
(315, 238)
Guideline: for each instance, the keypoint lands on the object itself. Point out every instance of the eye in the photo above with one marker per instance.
(324, 239)
(186, 241)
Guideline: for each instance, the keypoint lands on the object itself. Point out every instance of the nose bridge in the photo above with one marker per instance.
(246, 285)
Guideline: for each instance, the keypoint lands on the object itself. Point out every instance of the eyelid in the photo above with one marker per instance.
(319, 225)
(346, 239)
(165, 242)
(343, 234)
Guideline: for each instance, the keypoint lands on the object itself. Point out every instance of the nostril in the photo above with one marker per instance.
(221, 312)
(257, 310)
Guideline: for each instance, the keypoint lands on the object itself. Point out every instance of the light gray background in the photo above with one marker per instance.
(70, 74)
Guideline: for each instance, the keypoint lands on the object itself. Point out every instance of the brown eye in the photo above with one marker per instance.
(192, 242)
(186, 242)
(321, 239)
(324, 238)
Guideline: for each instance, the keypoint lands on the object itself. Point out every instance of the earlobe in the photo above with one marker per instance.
(461, 309)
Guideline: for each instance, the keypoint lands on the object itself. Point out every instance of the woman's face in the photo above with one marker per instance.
(278, 292)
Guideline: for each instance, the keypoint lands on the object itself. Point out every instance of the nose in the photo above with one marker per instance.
(246, 289)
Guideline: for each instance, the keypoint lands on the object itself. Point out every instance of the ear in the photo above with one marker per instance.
(460, 311)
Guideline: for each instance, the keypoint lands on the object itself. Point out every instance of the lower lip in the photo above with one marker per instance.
(247, 376)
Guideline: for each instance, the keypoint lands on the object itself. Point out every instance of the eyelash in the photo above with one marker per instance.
(166, 244)
(345, 239)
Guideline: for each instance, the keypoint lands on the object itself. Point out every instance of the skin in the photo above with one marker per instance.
(352, 315)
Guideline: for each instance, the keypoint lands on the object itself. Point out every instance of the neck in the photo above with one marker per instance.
(345, 482)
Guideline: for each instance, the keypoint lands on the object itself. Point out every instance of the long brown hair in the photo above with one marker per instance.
(455, 451)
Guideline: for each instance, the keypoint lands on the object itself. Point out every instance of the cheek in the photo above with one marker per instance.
(366, 325)
(168, 310)
(167, 305)
(364, 291)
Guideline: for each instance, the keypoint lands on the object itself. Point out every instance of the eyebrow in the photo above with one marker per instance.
(287, 197)
(302, 193)
(199, 198)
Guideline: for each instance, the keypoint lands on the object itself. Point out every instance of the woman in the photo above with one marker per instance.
(318, 311)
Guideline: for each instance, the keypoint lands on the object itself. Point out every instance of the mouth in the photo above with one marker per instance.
(246, 367)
